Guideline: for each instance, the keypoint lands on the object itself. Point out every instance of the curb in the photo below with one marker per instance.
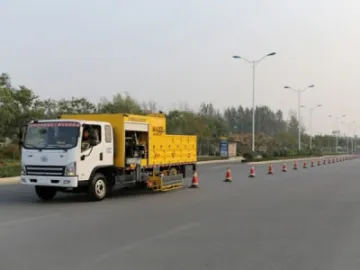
(10, 180)
(291, 159)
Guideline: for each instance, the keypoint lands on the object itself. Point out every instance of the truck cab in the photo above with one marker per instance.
(67, 155)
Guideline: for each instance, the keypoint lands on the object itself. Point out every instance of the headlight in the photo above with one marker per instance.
(23, 170)
(70, 169)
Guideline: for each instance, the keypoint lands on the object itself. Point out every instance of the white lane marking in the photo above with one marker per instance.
(130, 247)
(27, 219)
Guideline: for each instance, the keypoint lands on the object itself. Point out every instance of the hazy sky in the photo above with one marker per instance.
(175, 51)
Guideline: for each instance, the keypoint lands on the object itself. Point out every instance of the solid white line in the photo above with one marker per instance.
(130, 247)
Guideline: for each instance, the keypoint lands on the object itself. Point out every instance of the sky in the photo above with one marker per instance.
(176, 52)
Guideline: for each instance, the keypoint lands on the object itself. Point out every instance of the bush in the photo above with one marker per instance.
(10, 151)
(208, 158)
(10, 170)
(249, 155)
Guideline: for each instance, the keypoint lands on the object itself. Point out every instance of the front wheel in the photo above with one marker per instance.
(98, 187)
(45, 193)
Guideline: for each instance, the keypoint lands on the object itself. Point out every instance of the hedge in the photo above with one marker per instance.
(209, 158)
(10, 170)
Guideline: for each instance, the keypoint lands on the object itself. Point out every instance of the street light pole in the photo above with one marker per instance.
(299, 91)
(254, 63)
(348, 134)
(310, 124)
(336, 129)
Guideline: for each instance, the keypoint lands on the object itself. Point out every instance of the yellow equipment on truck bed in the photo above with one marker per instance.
(142, 149)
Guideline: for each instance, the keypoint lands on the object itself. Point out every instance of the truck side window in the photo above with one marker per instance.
(108, 138)
(95, 130)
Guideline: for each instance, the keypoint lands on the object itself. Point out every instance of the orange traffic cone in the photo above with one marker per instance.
(228, 177)
(252, 171)
(195, 181)
(305, 165)
(312, 163)
(295, 165)
(270, 170)
(319, 162)
(284, 169)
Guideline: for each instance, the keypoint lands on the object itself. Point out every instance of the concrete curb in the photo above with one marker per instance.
(292, 159)
(10, 180)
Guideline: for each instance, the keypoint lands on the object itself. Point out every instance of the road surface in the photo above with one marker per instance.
(305, 219)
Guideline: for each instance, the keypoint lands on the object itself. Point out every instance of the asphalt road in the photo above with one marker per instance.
(305, 219)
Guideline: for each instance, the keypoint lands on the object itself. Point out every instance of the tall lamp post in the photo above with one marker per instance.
(299, 91)
(254, 63)
(348, 133)
(336, 117)
(311, 109)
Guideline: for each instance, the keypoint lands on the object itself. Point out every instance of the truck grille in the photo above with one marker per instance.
(45, 170)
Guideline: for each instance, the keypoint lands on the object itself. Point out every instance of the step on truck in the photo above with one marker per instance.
(94, 153)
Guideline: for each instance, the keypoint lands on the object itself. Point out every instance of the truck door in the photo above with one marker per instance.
(99, 155)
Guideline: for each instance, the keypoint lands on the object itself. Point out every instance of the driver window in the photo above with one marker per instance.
(90, 131)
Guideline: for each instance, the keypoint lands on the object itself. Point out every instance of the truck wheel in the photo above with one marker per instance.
(98, 187)
(45, 193)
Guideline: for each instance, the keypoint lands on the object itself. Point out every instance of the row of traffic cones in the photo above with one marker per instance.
(228, 177)
(296, 166)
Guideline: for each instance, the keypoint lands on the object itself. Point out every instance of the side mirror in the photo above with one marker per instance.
(21, 135)
(92, 142)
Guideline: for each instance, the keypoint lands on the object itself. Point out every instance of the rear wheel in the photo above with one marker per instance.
(98, 187)
(45, 193)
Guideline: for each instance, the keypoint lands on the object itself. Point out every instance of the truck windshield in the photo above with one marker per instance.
(52, 135)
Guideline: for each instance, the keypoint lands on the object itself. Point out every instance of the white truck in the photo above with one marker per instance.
(55, 156)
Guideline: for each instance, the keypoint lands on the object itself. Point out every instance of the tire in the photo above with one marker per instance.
(98, 187)
(45, 193)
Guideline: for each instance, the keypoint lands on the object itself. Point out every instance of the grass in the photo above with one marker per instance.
(10, 170)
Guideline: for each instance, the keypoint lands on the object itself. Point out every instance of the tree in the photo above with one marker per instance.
(20, 105)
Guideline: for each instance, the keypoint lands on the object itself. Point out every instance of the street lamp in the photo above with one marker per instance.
(336, 117)
(253, 62)
(349, 131)
(299, 91)
(310, 124)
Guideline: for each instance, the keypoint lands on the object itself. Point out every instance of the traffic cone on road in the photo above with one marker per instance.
(305, 165)
(284, 169)
(295, 165)
(312, 164)
(270, 169)
(195, 180)
(252, 171)
(228, 177)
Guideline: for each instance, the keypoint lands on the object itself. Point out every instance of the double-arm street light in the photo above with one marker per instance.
(299, 91)
(336, 133)
(311, 109)
(254, 63)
